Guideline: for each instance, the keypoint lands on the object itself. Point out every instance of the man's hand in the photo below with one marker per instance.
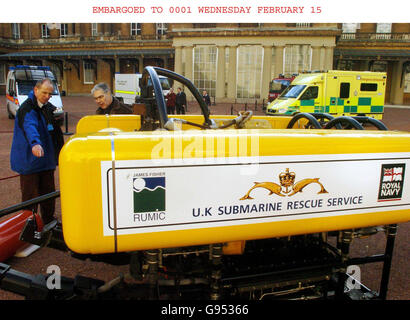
(37, 151)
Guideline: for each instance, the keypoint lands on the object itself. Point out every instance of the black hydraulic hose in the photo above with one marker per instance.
(28, 203)
(190, 86)
(312, 120)
(159, 96)
(378, 124)
(319, 116)
(344, 120)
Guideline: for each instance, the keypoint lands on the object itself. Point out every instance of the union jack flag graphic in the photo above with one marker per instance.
(391, 182)
(393, 174)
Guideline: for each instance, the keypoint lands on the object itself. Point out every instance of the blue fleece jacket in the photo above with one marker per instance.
(30, 128)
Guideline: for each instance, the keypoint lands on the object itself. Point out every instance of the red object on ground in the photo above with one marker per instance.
(10, 230)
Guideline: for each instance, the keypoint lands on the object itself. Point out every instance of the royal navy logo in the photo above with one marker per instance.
(391, 182)
(287, 186)
(149, 194)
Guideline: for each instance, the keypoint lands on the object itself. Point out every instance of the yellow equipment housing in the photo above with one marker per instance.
(125, 190)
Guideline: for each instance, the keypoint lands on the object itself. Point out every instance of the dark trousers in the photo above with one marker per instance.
(38, 184)
(171, 109)
(180, 109)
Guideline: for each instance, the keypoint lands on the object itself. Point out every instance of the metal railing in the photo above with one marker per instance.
(401, 37)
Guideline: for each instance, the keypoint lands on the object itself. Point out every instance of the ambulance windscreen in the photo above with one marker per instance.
(293, 91)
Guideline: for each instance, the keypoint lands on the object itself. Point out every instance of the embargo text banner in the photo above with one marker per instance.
(205, 11)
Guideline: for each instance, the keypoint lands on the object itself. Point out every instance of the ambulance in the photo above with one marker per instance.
(127, 86)
(335, 92)
(21, 80)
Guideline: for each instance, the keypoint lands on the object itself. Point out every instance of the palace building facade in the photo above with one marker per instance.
(233, 62)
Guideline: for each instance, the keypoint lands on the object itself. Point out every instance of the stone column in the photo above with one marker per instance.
(278, 60)
(315, 58)
(140, 64)
(77, 29)
(117, 64)
(266, 71)
(189, 68)
(220, 76)
(178, 60)
(328, 58)
(397, 85)
(231, 95)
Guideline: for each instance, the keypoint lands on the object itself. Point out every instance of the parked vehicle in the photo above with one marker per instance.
(354, 93)
(21, 80)
(278, 85)
(127, 86)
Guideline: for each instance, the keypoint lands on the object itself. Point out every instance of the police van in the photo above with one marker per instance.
(21, 80)
(336, 92)
(127, 87)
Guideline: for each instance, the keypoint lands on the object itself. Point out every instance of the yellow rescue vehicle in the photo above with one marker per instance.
(221, 207)
(341, 93)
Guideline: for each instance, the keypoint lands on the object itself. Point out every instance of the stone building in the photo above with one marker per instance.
(233, 62)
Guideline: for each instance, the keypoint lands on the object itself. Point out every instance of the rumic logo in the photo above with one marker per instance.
(149, 194)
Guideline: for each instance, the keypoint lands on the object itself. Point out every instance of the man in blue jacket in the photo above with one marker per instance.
(37, 141)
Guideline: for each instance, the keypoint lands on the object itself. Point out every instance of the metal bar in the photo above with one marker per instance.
(21, 283)
(364, 260)
(391, 236)
(163, 116)
(30, 202)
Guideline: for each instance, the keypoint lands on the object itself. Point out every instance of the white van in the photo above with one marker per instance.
(127, 86)
(21, 80)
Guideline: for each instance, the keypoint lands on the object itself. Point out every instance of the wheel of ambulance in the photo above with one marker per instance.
(311, 124)
(324, 118)
(363, 120)
(345, 122)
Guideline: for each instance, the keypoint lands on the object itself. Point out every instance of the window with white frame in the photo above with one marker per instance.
(349, 30)
(297, 58)
(249, 71)
(162, 28)
(15, 30)
(383, 28)
(94, 29)
(205, 68)
(45, 31)
(383, 31)
(88, 72)
(350, 27)
(135, 29)
(63, 29)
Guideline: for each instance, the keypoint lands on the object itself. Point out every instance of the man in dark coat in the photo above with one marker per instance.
(180, 101)
(37, 140)
(207, 100)
(107, 103)
(171, 100)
